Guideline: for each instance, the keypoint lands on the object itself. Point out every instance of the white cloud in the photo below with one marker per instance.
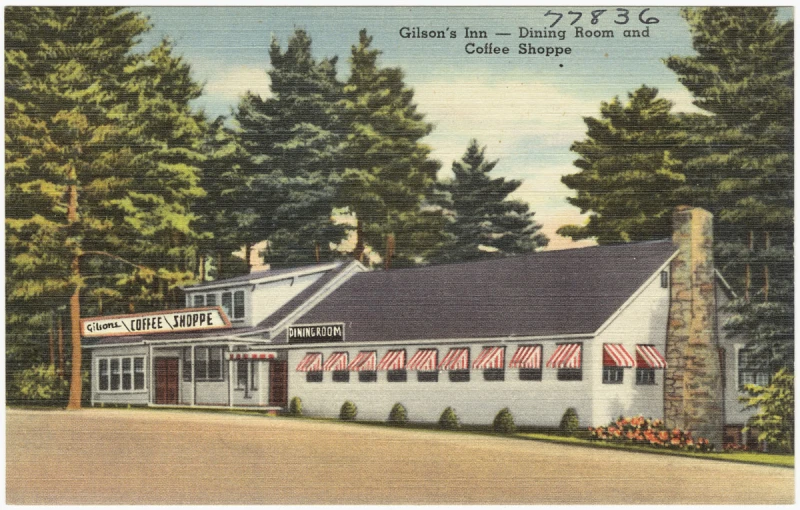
(229, 84)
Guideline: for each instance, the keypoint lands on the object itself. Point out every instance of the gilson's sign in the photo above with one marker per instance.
(313, 333)
(190, 319)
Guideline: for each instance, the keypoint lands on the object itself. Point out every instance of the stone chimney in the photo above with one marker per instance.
(693, 379)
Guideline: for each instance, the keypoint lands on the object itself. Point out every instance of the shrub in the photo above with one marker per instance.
(647, 432)
(569, 422)
(775, 404)
(504, 422)
(40, 383)
(448, 420)
(348, 411)
(398, 414)
(296, 407)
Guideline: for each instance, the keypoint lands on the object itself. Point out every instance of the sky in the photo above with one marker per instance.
(526, 109)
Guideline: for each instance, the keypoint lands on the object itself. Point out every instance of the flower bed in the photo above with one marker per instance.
(642, 431)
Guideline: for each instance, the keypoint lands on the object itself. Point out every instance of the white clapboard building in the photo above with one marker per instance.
(598, 329)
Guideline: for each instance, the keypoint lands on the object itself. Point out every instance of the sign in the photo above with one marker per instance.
(315, 333)
(189, 319)
(265, 355)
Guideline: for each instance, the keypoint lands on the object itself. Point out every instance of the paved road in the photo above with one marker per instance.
(120, 456)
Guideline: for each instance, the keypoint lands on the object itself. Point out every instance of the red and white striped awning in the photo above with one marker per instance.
(615, 355)
(566, 356)
(527, 356)
(456, 359)
(647, 356)
(252, 355)
(490, 357)
(312, 362)
(423, 360)
(393, 360)
(366, 360)
(336, 361)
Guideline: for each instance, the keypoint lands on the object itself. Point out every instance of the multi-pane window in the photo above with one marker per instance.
(211, 300)
(241, 374)
(198, 300)
(208, 363)
(494, 374)
(367, 376)
(569, 374)
(612, 375)
(121, 373)
(238, 304)
(397, 376)
(227, 304)
(645, 376)
(664, 279)
(459, 375)
(753, 369)
(187, 364)
(530, 374)
(315, 376)
(341, 376)
(428, 376)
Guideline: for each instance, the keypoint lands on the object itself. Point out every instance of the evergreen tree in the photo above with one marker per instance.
(483, 221)
(388, 173)
(294, 140)
(743, 75)
(630, 179)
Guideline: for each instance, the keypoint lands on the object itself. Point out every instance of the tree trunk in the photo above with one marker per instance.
(247, 249)
(219, 265)
(316, 250)
(202, 268)
(60, 348)
(358, 253)
(75, 316)
(52, 343)
(766, 268)
(747, 276)
(389, 251)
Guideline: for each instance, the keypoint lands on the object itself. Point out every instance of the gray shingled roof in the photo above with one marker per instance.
(548, 293)
(267, 323)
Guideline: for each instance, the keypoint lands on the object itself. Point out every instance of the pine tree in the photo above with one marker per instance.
(484, 222)
(743, 75)
(388, 172)
(630, 176)
(294, 139)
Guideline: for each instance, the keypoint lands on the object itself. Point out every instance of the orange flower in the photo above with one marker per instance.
(629, 434)
(676, 431)
(663, 435)
(689, 442)
(676, 441)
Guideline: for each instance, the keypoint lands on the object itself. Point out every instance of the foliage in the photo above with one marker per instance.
(348, 411)
(743, 75)
(398, 415)
(387, 170)
(483, 222)
(630, 179)
(775, 404)
(569, 421)
(504, 422)
(296, 406)
(639, 430)
(448, 419)
(39, 382)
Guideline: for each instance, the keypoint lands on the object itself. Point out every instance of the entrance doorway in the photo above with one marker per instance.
(278, 383)
(166, 380)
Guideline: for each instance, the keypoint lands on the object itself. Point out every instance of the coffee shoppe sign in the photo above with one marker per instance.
(189, 319)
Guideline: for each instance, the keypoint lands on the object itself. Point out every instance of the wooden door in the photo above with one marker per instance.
(166, 380)
(278, 383)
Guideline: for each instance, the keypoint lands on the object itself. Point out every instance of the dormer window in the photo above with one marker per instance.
(233, 304)
(198, 300)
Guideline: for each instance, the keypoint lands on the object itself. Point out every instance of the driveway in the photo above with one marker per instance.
(120, 456)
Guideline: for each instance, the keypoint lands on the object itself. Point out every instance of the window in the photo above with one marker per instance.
(494, 374)
(211, 300)
(208, 363)
(227, 304)
(198, 300)
(238, 304)
(645, 376)
(427, 376)
(664, 279)
(753, 369)
(114, 374)
(341, 376)
(138, 373)
(254, 375)
(612, 375)
(127, 373)
(313, 377)
(397, 376)
(121, 374)
(569, 374)
(103, 371)
(367, 376)
(241, 374)
(187, 364)
(459, 375)
(530, 374)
